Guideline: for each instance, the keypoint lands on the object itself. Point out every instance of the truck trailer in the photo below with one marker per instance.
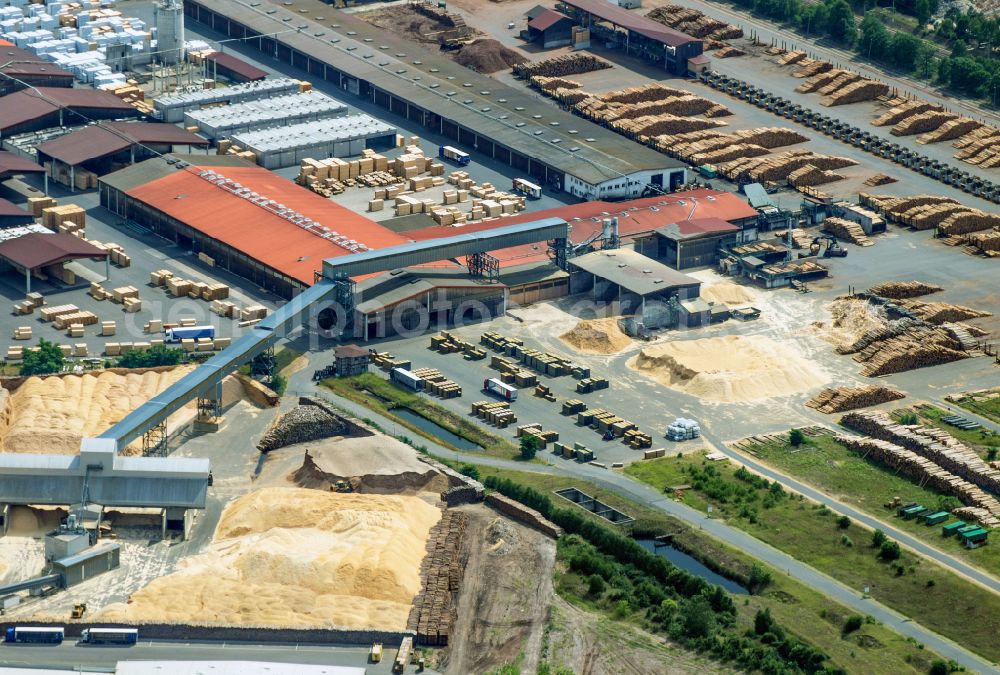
(407, 379)
(109, 636)
(190, 333)
(43, 634)
(454, 154)
(526, 188)
(494, 386)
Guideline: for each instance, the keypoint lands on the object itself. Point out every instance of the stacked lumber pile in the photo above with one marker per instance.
(950, 130)
(929, 216)
(968, 221)
(778, 167)
(893, 208)
(842, 399)
(812, 67)
(546, 83)
(728, 154)
(900, 290)
(847, 230)
(694, 23)
(559, 66)
(647, 92)
(827, 81)
(712, 145)
(809, 175)
(860, 90)
(791, 58)
(917, 347)
(800, 238)
(652, 99)
(922, 123)
(880, 179)
(938, 313)
(930, 442)
(925, 471)
(986, 242)
(434, 608)
(898, 113)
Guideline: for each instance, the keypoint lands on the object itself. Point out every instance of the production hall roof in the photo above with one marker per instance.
(251, 228)
(547, 19)
(37, 250)
(512, 116)
(699, 227)
(11, 164)
(30, 104)
(633, 271)
(237, 66)
(632, 21)
(16, 62)
(109, 138)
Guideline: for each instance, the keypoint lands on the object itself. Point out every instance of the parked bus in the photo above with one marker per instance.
(109, 636)
(526, 188)
(44, 634)
(494, 386)
(454, 154)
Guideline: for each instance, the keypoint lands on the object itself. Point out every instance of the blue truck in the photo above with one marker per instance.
(190, 333)
(109, 636)
(454, 154)
(42, 634)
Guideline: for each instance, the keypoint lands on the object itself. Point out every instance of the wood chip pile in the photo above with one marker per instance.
(778, 167)
(809, 175)
(938, 313)
(862, 89)
(922, 123)
(434, 608)
(847, 230)
(842, 399)
(950, 130)
(694, 23)
(900, 290)
(560, 66)
(925, 471)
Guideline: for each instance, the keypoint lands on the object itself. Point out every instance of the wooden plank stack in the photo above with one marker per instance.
(63, 321)
(842, 399)
(966, 222)
(434, 608)
(50, 313)
(54, 216)
(809, 175)
(497, 413)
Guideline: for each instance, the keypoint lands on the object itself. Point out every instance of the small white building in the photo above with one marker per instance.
(630, 185)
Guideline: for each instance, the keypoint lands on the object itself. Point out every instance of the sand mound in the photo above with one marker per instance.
(51, 415)
(291, 557)
(727, 293)
(851, 318)
(729, 369)
(488, 56)
(598, 336)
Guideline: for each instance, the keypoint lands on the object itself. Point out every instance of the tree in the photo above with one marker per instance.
(470, 470)
(840, 23)
(853, 623)
(922, 9)
(529, 447)
(159, 355)
(889, 551)
(595, 584)
(47, 359)
(762, 622)
(843, 522)
(759, 579)
(904, 50)
(939, 667)
(878, 538)
(875, 38)
(699, 621)
(796, 437)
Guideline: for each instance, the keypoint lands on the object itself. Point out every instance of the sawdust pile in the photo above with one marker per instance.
(850, 319)
(597, 336)
(729, 369)
(51, 415)
(488, 56)
(727, 293)
(292, 557)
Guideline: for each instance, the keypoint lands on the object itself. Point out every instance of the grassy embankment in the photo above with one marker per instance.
(981, 440)
(984, 407)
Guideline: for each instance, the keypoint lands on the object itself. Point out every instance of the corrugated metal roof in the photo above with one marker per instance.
(238, 66)
(108, 138)
(633, 271)
(12, 164)
(158, 167)
(9, 208)
(757, 195)
(21, 62)
(637, 23)
(87, 554)
(547, 19)
(36, 250)
(266, 237)
(30, 104)
(691, 229)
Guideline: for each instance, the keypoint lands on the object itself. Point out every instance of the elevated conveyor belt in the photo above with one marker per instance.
(205, 377)
(47, 580)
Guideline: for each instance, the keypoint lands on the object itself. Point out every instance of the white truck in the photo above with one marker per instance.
(494, 386)
(526, 188)
(406, 378)
(190, 333)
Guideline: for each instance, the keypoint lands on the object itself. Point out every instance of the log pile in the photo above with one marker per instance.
(812, 67)
(897, 114)
(847, 230)
(658, 125)
(694, 23)
(929, 216)
(950, 130)
(434, 608)
(904, 345)
(728, 52)
(778, 167)
(880, 179)
(938, 313)
(860, 90)
(900, 290)
(842, 399)
(935, 444)
(809, 175)
(831, 78)
(546, 83)
(966, 222)
(647, 92)
(894, 208)
(925, 471)
(560, 66)
(645, 101)
(922, 123)
(791, 58)
(980, 147)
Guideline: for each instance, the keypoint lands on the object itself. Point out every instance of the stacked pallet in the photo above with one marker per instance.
(64, 321)
(950, 130)
(434, 607)
(560, 66)
(842, 399)
(497, 413)
(694, 23)
(900, 290)
(808, 176)
(938, 313)
(922, 123)
(846, 230)
(898, 113)
(924, 471)
(966, 222)
(860, 90)
(930, 442)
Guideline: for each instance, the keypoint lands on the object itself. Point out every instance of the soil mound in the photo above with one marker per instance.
(290, 557)
(729, 369)
(488, 56)
(598, 336)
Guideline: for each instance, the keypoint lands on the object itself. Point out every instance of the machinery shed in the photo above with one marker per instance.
(34, 252)
(550, 29)
(89, 563)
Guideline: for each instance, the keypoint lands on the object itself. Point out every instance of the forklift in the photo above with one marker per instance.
(832, 249)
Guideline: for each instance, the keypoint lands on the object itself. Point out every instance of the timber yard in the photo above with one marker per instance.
(492, 337)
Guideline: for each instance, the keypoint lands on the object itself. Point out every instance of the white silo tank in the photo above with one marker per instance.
(169, 32)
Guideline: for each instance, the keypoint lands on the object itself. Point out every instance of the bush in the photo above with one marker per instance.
(991, 454)
(470, 470)
(878, 538)
(158, 355)
(595, 584)
(843, 522)
(939, 667)
(529, 447)
(853, 623)
(763, 622)
(908, 418)
(889, 550)
(758, 579)
(846, 541)
(48, 359)
(278, 384)
(796, 437)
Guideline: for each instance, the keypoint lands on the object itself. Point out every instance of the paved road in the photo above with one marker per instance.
(626, 487)
(767, 32)
(69, 655)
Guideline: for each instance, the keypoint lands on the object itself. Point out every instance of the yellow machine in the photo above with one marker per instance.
(376, 652)
(78, 611)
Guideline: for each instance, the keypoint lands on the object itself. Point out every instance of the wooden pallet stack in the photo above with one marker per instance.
(842, 399)
(987, 243)
(434, 608)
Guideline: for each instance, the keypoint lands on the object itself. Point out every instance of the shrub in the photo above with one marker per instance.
(908, 418)
(878, 538)
(158, 355)
(758, 579)
(470, 470)
(889, 550)
(939, 667)
(595, 584)
(529, 447)
(796, 437)
(278, 384)
(843, 522)
(846, 541)
(853, 623)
